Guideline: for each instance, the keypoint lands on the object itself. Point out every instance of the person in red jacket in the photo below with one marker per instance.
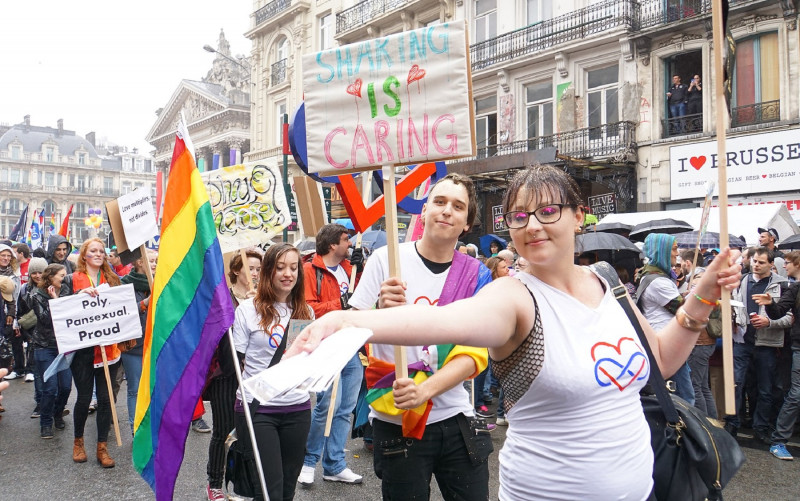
(327, 288)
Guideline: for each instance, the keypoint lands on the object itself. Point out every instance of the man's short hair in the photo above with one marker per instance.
(688, 256)
(330, 234)
(23, 249)
(763, 251)
(472, 203)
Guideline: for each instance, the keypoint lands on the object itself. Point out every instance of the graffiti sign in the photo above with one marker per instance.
(248, 203)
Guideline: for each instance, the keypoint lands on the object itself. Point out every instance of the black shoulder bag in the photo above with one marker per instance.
(693, 458)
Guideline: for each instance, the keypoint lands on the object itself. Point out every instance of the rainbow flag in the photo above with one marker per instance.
(190, 311)
(65, 223)
(52, 227)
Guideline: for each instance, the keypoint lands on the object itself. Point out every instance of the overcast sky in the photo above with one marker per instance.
(107, 66)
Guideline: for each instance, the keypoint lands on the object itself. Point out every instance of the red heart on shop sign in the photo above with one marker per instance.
(697, 162)
(415, 73)
(764, 176)
(365, 216)
(354, 89)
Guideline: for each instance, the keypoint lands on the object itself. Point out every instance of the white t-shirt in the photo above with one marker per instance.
(658, 294)
(424, 287)
(579, 432)
(341, 278)
(259, 347)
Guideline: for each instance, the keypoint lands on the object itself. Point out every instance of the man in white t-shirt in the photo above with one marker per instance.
(327, 288)
(420, 425)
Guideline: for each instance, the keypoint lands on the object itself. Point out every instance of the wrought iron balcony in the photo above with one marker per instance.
(680, 126)
(609, 140)
(271, 9)
(575, 25)
(364, 12)
(758, 113)
(655, 12)
(278, 72)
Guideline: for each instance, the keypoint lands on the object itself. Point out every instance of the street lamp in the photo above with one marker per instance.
(211, 49)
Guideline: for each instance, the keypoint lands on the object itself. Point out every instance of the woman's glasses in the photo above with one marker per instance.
(547, 214)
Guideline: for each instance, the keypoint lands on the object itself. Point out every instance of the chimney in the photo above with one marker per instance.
(91, 138)
(60, 127)
(27, 122)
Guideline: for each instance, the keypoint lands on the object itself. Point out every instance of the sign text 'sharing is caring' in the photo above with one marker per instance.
(400, 99)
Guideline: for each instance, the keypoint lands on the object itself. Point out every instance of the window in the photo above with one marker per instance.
(81, 184)
(80, 209)
(433, 22)
(486, 126)
(139, 165)
(326, 32)
(39, 178)
(49, 153)
(49, 179)
(60, 178)
(16, 152)
(138, 185)
(153, 192)
(48, 208)
(756, 90)
(148, 166)
(280, 110)
(602, 100)
(539, 10)
(81, 158)
(108, 185)
(485, 19)
(539, 106)
(282, 50)
(126, 187)
(14, 176)
(14, 207)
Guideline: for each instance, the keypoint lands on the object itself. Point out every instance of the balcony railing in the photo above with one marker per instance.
(364, 12)
(278, 72)
(680, 126)
(575, 25)
(592, 142)
(655, 12)
(271, 10)
(758, 113)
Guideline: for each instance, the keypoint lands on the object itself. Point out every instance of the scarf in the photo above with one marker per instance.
(465, 277)
(139, 281)
(658, 249)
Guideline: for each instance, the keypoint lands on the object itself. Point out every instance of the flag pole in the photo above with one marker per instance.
(247, 416)
(721, 114)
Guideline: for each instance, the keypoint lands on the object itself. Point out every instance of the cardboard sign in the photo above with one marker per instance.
(757, 163)
(114, 219)
(138, 217)
(310, 205)
(249, 204)
(81, 321)
(401, 99)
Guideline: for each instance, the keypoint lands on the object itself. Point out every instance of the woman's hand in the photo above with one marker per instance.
(310, 337)
(52, 292)
(722, 272)
(92, 291)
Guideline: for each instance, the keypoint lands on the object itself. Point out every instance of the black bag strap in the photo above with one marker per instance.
(656, 380)
(279, 351)
(319, 280)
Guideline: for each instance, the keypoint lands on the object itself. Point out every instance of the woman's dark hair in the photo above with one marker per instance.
(46, 280)
(265, 299)
(542, 183)
(624, 277)
(236, 263)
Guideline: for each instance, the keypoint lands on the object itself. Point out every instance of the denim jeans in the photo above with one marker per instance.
(331, 449)
(683, 384)
(698, 363)
(677, 110)
(133, 373)
(55, 391)
(764, 359)
(791, 405)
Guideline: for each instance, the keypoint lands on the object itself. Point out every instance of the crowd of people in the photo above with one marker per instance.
(544, 318)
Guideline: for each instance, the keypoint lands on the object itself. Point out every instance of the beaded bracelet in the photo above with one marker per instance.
(688, 322)
(706, 301)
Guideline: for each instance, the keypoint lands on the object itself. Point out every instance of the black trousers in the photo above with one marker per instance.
(405, 465)
(281, 442)
(221, 392)
(86, 376)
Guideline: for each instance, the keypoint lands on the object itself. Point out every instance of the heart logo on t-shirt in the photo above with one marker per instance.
(697, 162)
(276, 335)
(617, 365)
(426, 300)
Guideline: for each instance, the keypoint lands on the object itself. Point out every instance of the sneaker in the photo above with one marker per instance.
(29, 378)
(92, 406)
(764, 436)
(345, 476)
(501, 421)
(306, 475)
(12, 375)
(200, 426)
(214, 494)
(731, 429)
(47, 432)
(35, 413)
(484, 412)
(780, 452)
(58, 422)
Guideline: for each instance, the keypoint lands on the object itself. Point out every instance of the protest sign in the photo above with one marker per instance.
(138, 217)
(248, 203)
(81, 321)
(401, 99)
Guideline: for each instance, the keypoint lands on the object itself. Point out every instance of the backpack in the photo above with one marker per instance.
(240, 468)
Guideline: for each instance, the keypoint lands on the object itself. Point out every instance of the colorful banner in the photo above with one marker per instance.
(248, 203)
(401, 99)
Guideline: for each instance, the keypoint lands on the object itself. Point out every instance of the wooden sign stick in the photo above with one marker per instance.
(365, 196)
(111, 396)
(147, 270)
(721, 113)
(390, 203)
(246, 269)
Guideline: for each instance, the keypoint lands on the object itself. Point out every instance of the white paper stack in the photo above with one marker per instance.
(313, 371)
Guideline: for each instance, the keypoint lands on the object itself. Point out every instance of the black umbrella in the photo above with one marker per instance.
(618, 228)
(606, 242)
(667, 225)
(792, 242)
(710, 240)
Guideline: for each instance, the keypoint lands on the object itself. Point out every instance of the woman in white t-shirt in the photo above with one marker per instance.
(568, 360)
(259, 330)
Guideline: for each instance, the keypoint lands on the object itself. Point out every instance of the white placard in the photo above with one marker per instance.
(759, 163)
(138, 217)
(401, 99)
(81, 321)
